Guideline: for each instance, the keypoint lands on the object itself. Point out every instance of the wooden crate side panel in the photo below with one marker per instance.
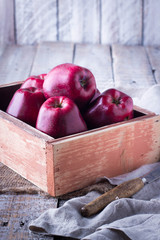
(23, 152)
(50, 169)
(79, 161)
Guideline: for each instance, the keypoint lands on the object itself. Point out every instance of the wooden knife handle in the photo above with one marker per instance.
(124, 190)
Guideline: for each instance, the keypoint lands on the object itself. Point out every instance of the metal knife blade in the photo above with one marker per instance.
(124, 190)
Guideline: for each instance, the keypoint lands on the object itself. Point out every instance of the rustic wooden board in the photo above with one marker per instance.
(154, 58)
(36, 21)
(113, 151)
(79, 21)
(50, 54)
(132, 70)
(7, 35)
(92, 21)
(97, 58)
(16, 63)
(151, 22)
(121, 21)
(16, 212)
(15, 154)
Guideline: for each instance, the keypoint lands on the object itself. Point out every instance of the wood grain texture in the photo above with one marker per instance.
(151, 23)
(6, 23)
(108, 152)
(121, 21)
(16, 63)
(50, 54)
(132, 70)
(79, 21)
(154, 58)
(128, 22)
(97, 58)
(17, 211)
(24, 151)
(36, 21)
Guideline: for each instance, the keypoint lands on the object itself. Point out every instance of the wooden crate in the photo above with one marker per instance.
(59, 166)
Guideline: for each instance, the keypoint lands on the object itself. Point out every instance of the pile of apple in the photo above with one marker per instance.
(66, 101)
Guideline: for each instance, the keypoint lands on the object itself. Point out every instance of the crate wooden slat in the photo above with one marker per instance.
(63, 165)
(109, 152)
(27, 154)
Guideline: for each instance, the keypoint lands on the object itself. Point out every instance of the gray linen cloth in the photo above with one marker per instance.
(136, 218)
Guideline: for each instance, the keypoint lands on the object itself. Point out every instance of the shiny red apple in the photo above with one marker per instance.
(111, 106)
(34, 81)
(96, 95)
(72, 81)
(59, 116)
(25, 104)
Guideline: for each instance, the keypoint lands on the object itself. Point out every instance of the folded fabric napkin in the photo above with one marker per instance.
(128, 218)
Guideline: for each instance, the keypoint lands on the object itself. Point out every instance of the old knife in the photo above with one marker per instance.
(124, 190)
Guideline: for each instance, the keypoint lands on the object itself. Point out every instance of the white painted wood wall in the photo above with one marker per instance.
(128, 22)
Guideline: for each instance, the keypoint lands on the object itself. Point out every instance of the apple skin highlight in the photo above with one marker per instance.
(59, 116)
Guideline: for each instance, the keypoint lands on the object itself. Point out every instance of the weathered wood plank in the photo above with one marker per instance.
(115, 150)
(50, 54)
(36, 21)
(15, 63)
(79, 21)
(97, 58)
(95, 21)
(121, 21)
(132, 70)
(151, 22)
(16, 212)
(6, 23)
(27, 153)
(154, 57)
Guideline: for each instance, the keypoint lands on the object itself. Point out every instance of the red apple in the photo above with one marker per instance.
(96, 95)
(34, 81)
(25, 104)
(72, 81)
(111, 106)
(59, 116)
(42, 75)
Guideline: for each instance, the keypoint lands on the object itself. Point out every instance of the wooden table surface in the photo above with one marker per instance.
(132, 69)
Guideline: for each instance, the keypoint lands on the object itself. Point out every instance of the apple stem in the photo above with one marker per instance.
(58, 104)
(83, 82)
(116, 101)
